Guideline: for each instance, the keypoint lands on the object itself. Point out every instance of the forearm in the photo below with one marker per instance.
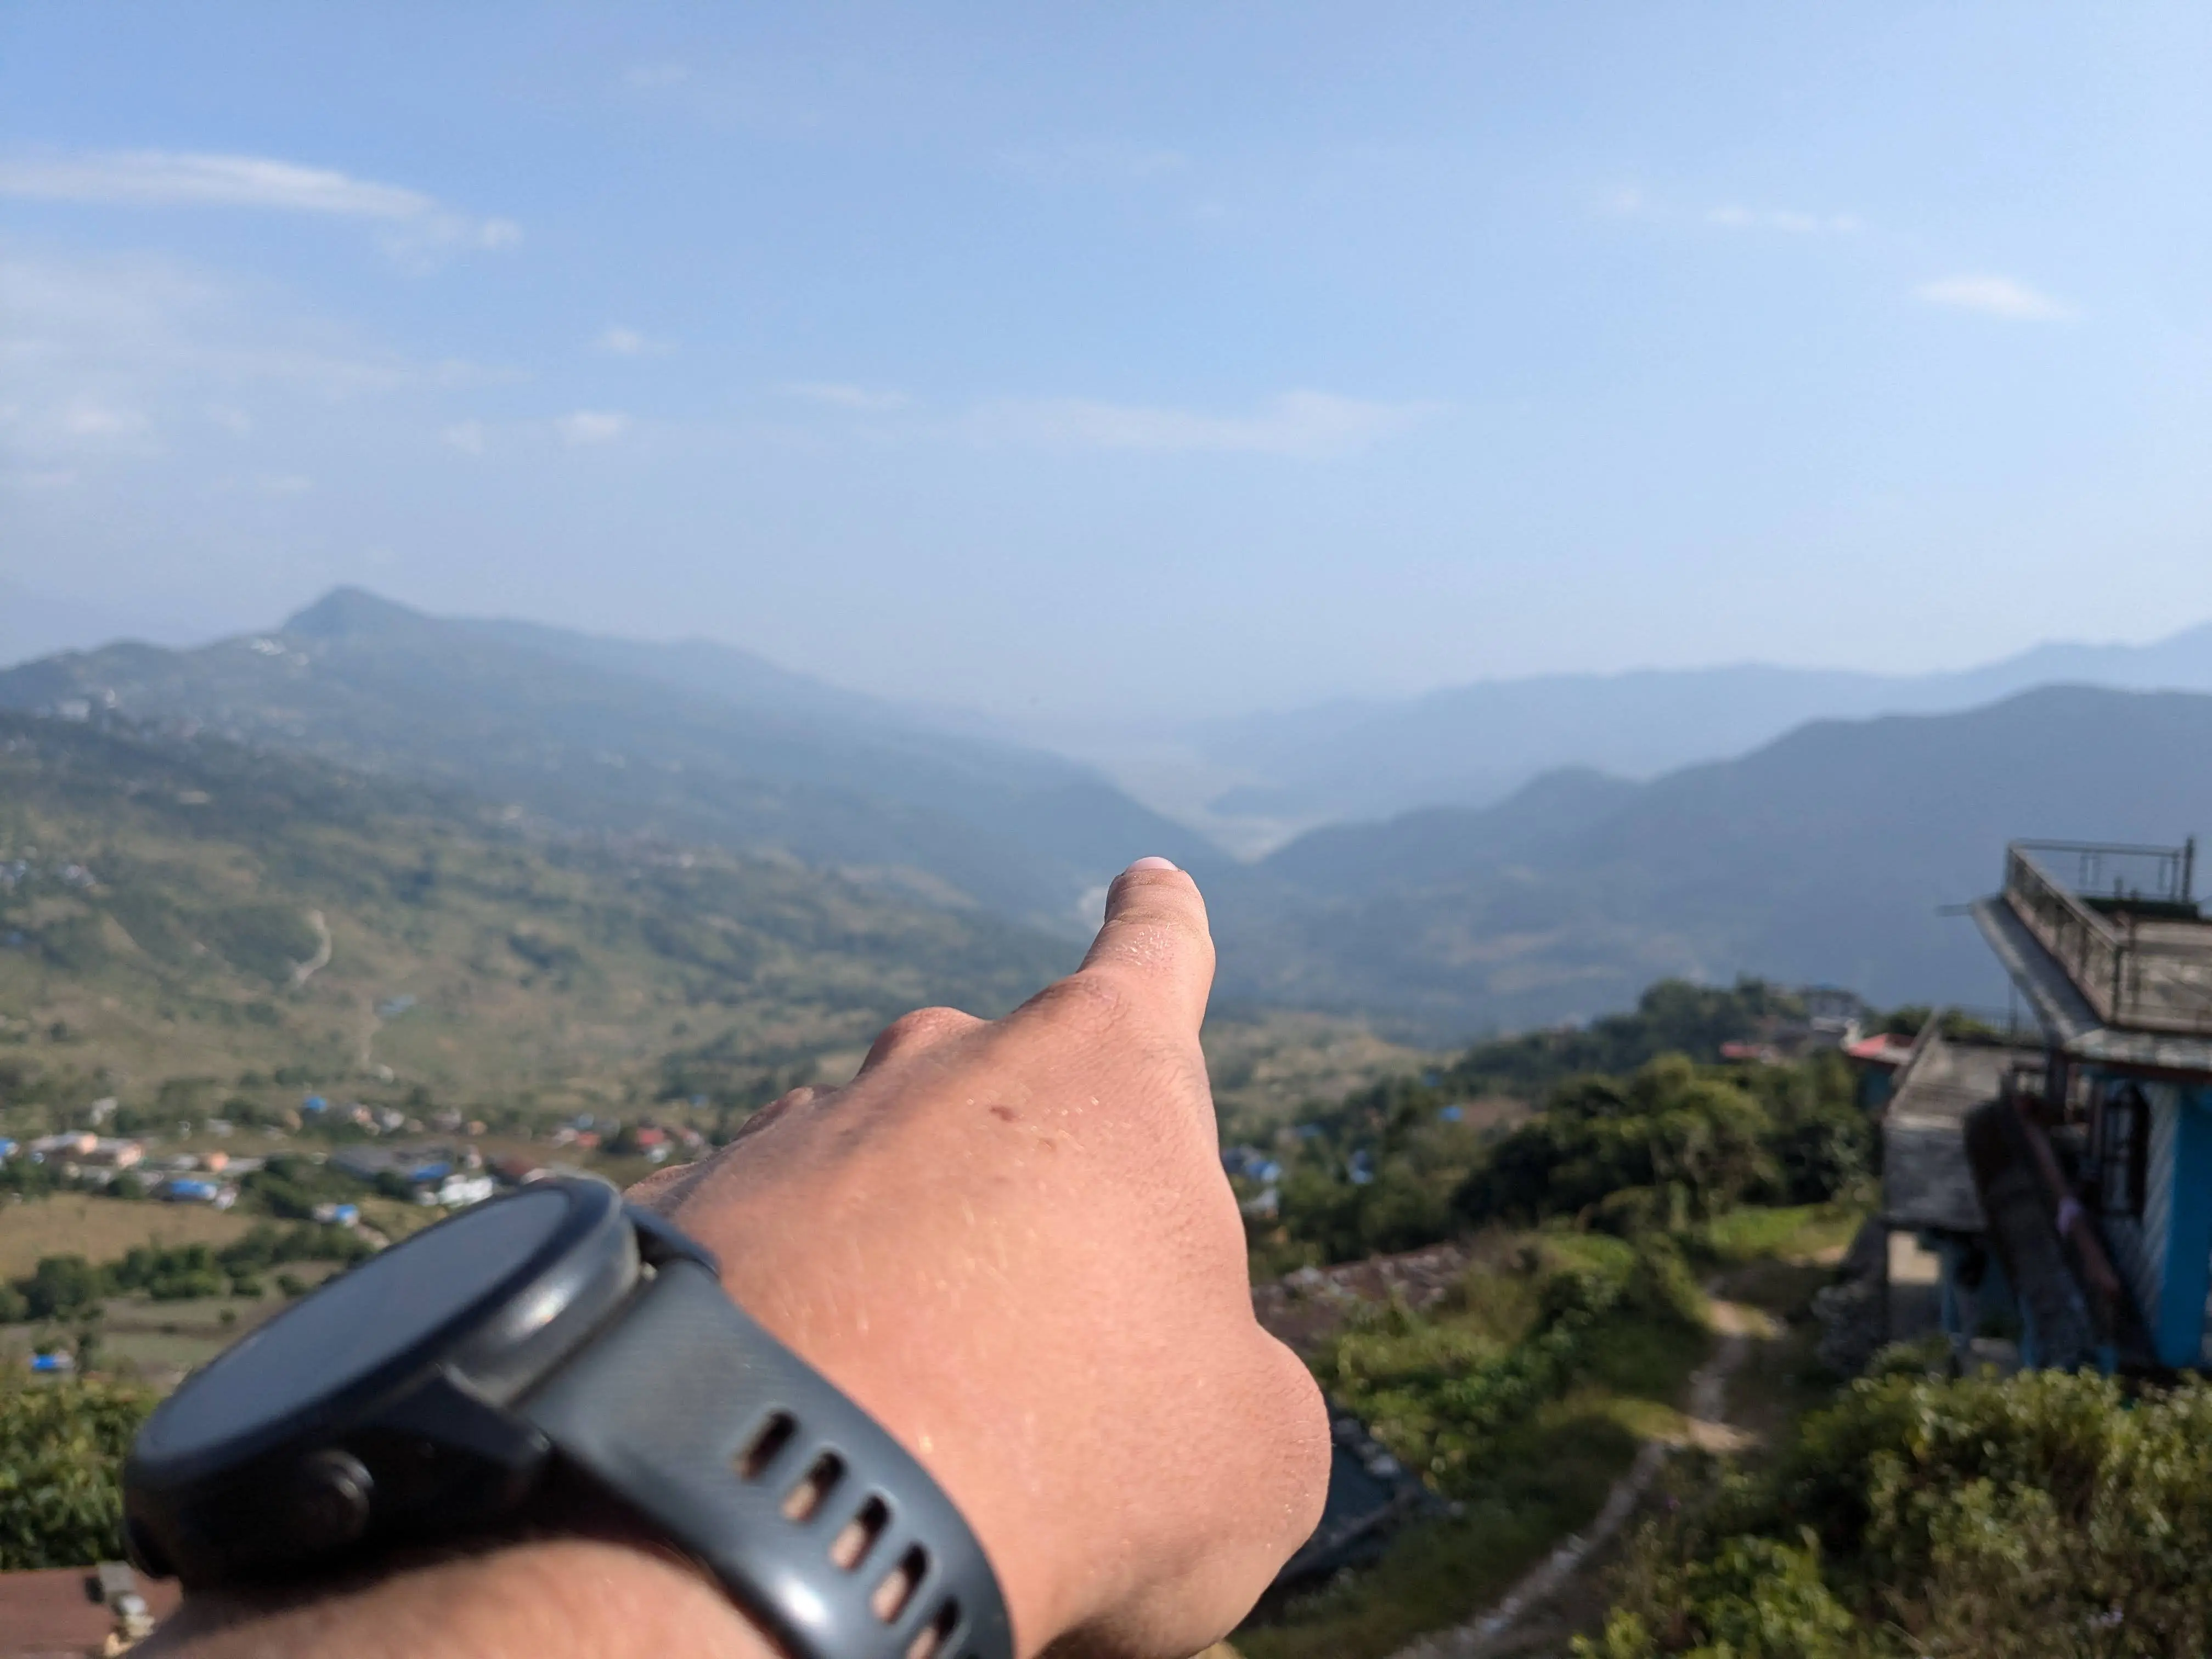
(528, 1601)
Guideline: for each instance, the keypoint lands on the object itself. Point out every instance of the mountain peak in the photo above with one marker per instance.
(353, 613)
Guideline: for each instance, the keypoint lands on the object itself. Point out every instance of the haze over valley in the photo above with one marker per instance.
(1821, 854)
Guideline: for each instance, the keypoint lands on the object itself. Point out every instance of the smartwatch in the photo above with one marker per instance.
(456, 1385)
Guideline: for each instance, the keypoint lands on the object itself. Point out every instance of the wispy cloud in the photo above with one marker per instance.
(621, 342)
(861, 399)
(1790, 221)
(593, 426)
(412, 222)
(1995, 296)
(1302, 425)
(115, 357)
(467, 436)
(645, 77)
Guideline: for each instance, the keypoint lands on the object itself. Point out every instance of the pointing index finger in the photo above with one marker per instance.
(1155, 944)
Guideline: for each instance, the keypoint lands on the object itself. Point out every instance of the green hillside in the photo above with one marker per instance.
(694, 744)
(175, 908)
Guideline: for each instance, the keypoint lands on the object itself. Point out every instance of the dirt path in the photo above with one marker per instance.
(304, 971)
(1707, 1429)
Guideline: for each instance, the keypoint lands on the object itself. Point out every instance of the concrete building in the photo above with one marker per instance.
(2061, 1174)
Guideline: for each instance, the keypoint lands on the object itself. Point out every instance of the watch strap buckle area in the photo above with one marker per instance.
(811, 1515)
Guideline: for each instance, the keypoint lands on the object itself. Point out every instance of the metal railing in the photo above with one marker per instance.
(2126, 980)
(2117, 874)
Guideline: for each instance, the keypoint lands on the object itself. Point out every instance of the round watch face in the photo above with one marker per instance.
(359, 1321)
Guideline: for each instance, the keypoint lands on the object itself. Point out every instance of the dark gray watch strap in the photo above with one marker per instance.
(817, 1522)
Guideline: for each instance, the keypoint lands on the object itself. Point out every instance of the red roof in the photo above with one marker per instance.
(1884, 1048)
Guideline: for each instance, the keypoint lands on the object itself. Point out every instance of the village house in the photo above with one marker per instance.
(2055, 1181)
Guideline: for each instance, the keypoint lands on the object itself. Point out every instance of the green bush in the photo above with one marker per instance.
(291, 1187)
(61, 1445)
(61, 1286)
(1756, 1598)
(2045, 1513)
(1670, 1126)
(1443, 1390)
(65, 1285)
(1671, 1017)
(1656, 1147)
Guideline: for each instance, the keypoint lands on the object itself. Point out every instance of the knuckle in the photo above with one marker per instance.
(923, 1024)
(1085, 1005)
(918, 1030)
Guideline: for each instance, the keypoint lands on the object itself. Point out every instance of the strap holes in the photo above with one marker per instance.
(805, 1500)
(769, 1439)
(859, 1536)
(931, 1637)
(896, 1590)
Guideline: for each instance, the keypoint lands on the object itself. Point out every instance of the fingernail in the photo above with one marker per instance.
(1154, 863)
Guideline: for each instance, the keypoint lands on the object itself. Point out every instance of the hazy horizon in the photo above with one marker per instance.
(82, 625)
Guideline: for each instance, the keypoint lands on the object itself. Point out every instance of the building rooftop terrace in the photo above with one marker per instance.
(2122, 925)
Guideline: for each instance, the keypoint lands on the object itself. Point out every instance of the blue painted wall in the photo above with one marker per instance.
(2138, 1245)
(2178, 1326)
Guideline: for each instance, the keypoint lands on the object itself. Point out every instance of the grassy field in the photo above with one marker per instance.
(1753, 1232)
(159, 1341)
(102, 1229)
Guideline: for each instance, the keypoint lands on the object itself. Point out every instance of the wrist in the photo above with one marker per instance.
(613, 1599)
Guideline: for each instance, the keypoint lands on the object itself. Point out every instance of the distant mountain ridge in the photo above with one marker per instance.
(1473, 744)
(695, 743)
(1823, 856)
(1820, 855)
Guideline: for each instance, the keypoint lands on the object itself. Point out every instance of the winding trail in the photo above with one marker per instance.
(304, 971)
(1707, 1429)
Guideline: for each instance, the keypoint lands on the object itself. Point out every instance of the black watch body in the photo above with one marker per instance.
(446, 1388)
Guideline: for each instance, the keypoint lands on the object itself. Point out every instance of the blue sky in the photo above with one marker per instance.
(1119, 363)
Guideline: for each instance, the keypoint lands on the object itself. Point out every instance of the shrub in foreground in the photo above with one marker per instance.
(61, 1445)
(2042, 1515)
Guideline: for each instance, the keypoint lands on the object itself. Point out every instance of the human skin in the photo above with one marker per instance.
(1013, 1244)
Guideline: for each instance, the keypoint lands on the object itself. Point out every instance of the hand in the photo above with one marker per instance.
(1013, 1244)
